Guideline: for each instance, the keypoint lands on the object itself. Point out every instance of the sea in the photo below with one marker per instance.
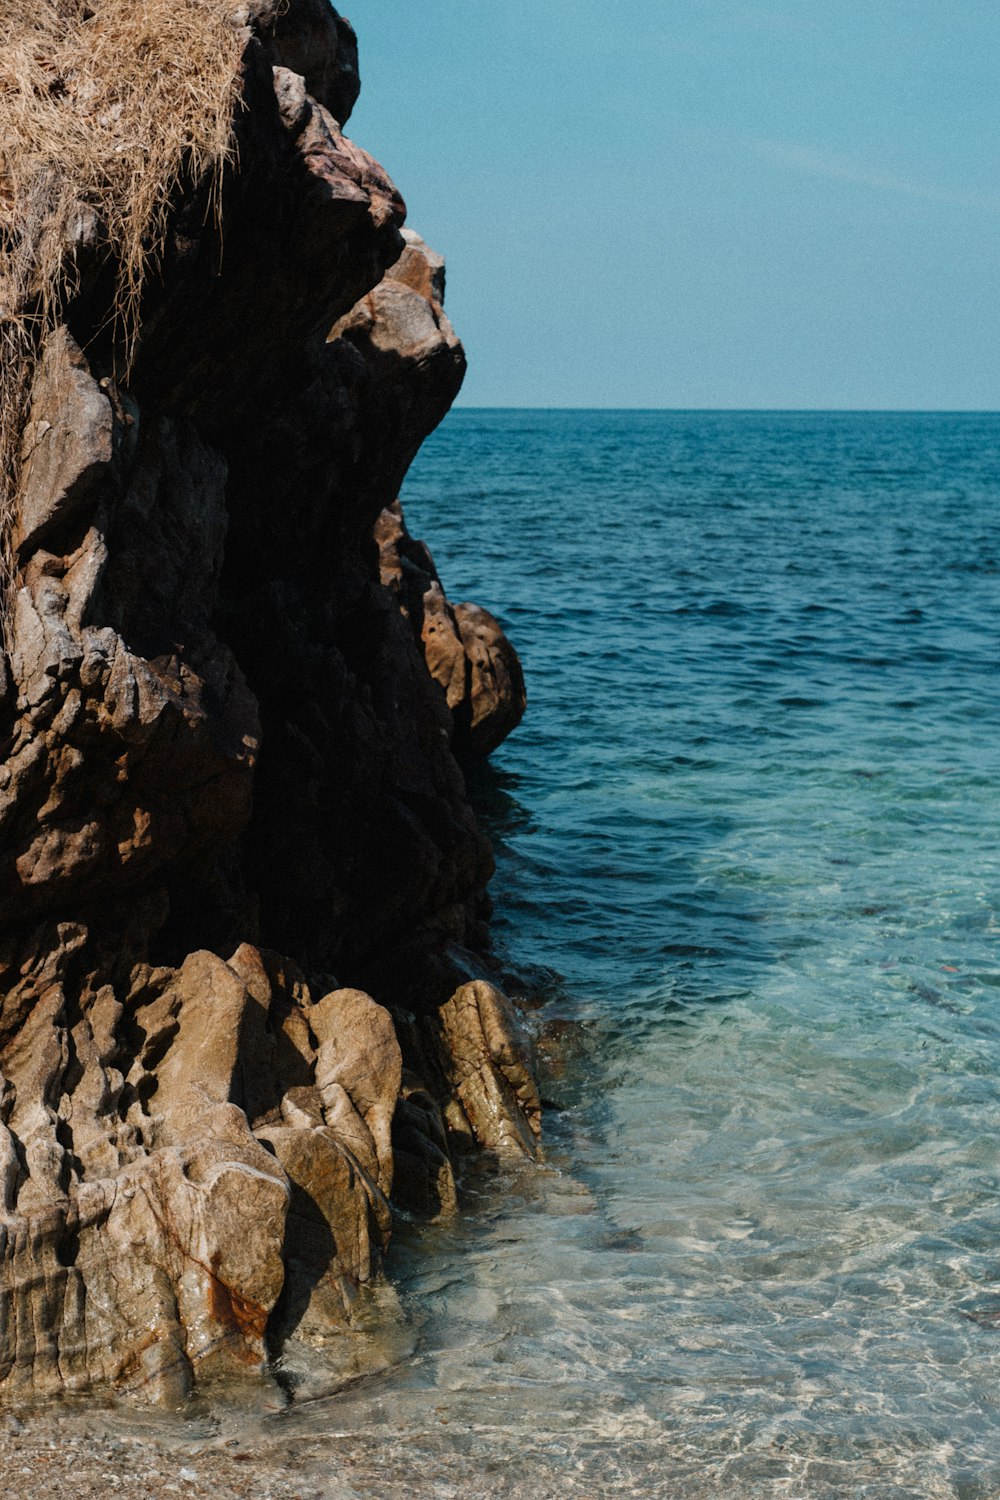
(748, 849)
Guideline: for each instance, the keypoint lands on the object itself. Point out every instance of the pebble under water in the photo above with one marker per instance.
(749, 851)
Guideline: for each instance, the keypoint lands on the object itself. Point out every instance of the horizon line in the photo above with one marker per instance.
(897, 411)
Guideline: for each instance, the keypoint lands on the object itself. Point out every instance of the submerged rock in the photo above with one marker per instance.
(229, 722)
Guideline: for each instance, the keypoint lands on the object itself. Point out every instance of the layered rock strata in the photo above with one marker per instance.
(244, 1004)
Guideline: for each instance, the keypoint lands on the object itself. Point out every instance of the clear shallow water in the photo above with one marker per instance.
(751, 822)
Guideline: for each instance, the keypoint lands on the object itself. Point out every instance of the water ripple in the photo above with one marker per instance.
(752, 822)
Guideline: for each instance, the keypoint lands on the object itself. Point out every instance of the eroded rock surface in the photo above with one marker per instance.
(463, 645)
(243, 1004)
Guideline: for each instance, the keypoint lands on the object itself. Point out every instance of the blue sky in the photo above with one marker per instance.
(691, 203)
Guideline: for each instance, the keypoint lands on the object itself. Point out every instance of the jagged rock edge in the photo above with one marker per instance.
(199, 1144)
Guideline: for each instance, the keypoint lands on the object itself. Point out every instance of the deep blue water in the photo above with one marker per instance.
(748, 842)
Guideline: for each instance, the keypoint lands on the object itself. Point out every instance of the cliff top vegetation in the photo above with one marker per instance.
(104, 107)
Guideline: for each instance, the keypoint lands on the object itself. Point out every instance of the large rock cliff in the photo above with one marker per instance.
(244, 1008)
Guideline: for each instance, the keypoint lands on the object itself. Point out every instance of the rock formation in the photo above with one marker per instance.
(464, 647)
(244, 1004)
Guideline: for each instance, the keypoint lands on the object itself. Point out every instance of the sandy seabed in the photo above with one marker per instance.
(59, 1456)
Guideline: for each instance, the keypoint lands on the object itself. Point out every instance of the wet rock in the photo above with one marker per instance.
(476, 1058)
(489, 1066)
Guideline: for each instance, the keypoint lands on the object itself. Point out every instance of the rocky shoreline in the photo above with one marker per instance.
(247, 1006)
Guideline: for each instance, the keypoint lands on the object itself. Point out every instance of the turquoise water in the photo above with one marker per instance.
(748, 850)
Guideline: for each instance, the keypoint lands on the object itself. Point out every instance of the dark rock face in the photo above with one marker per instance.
(229, 722)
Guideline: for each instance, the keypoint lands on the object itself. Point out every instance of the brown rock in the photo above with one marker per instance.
(144, 1226)
(496, 697)
(421, 269)
(488, 1064)
(472, 1056)
(358, 1073)
(311, 39)
(464, 647)
(67, 441)
(133, 1188)
(219, 735)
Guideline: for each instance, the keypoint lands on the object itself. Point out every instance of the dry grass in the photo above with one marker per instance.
(104, 106)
